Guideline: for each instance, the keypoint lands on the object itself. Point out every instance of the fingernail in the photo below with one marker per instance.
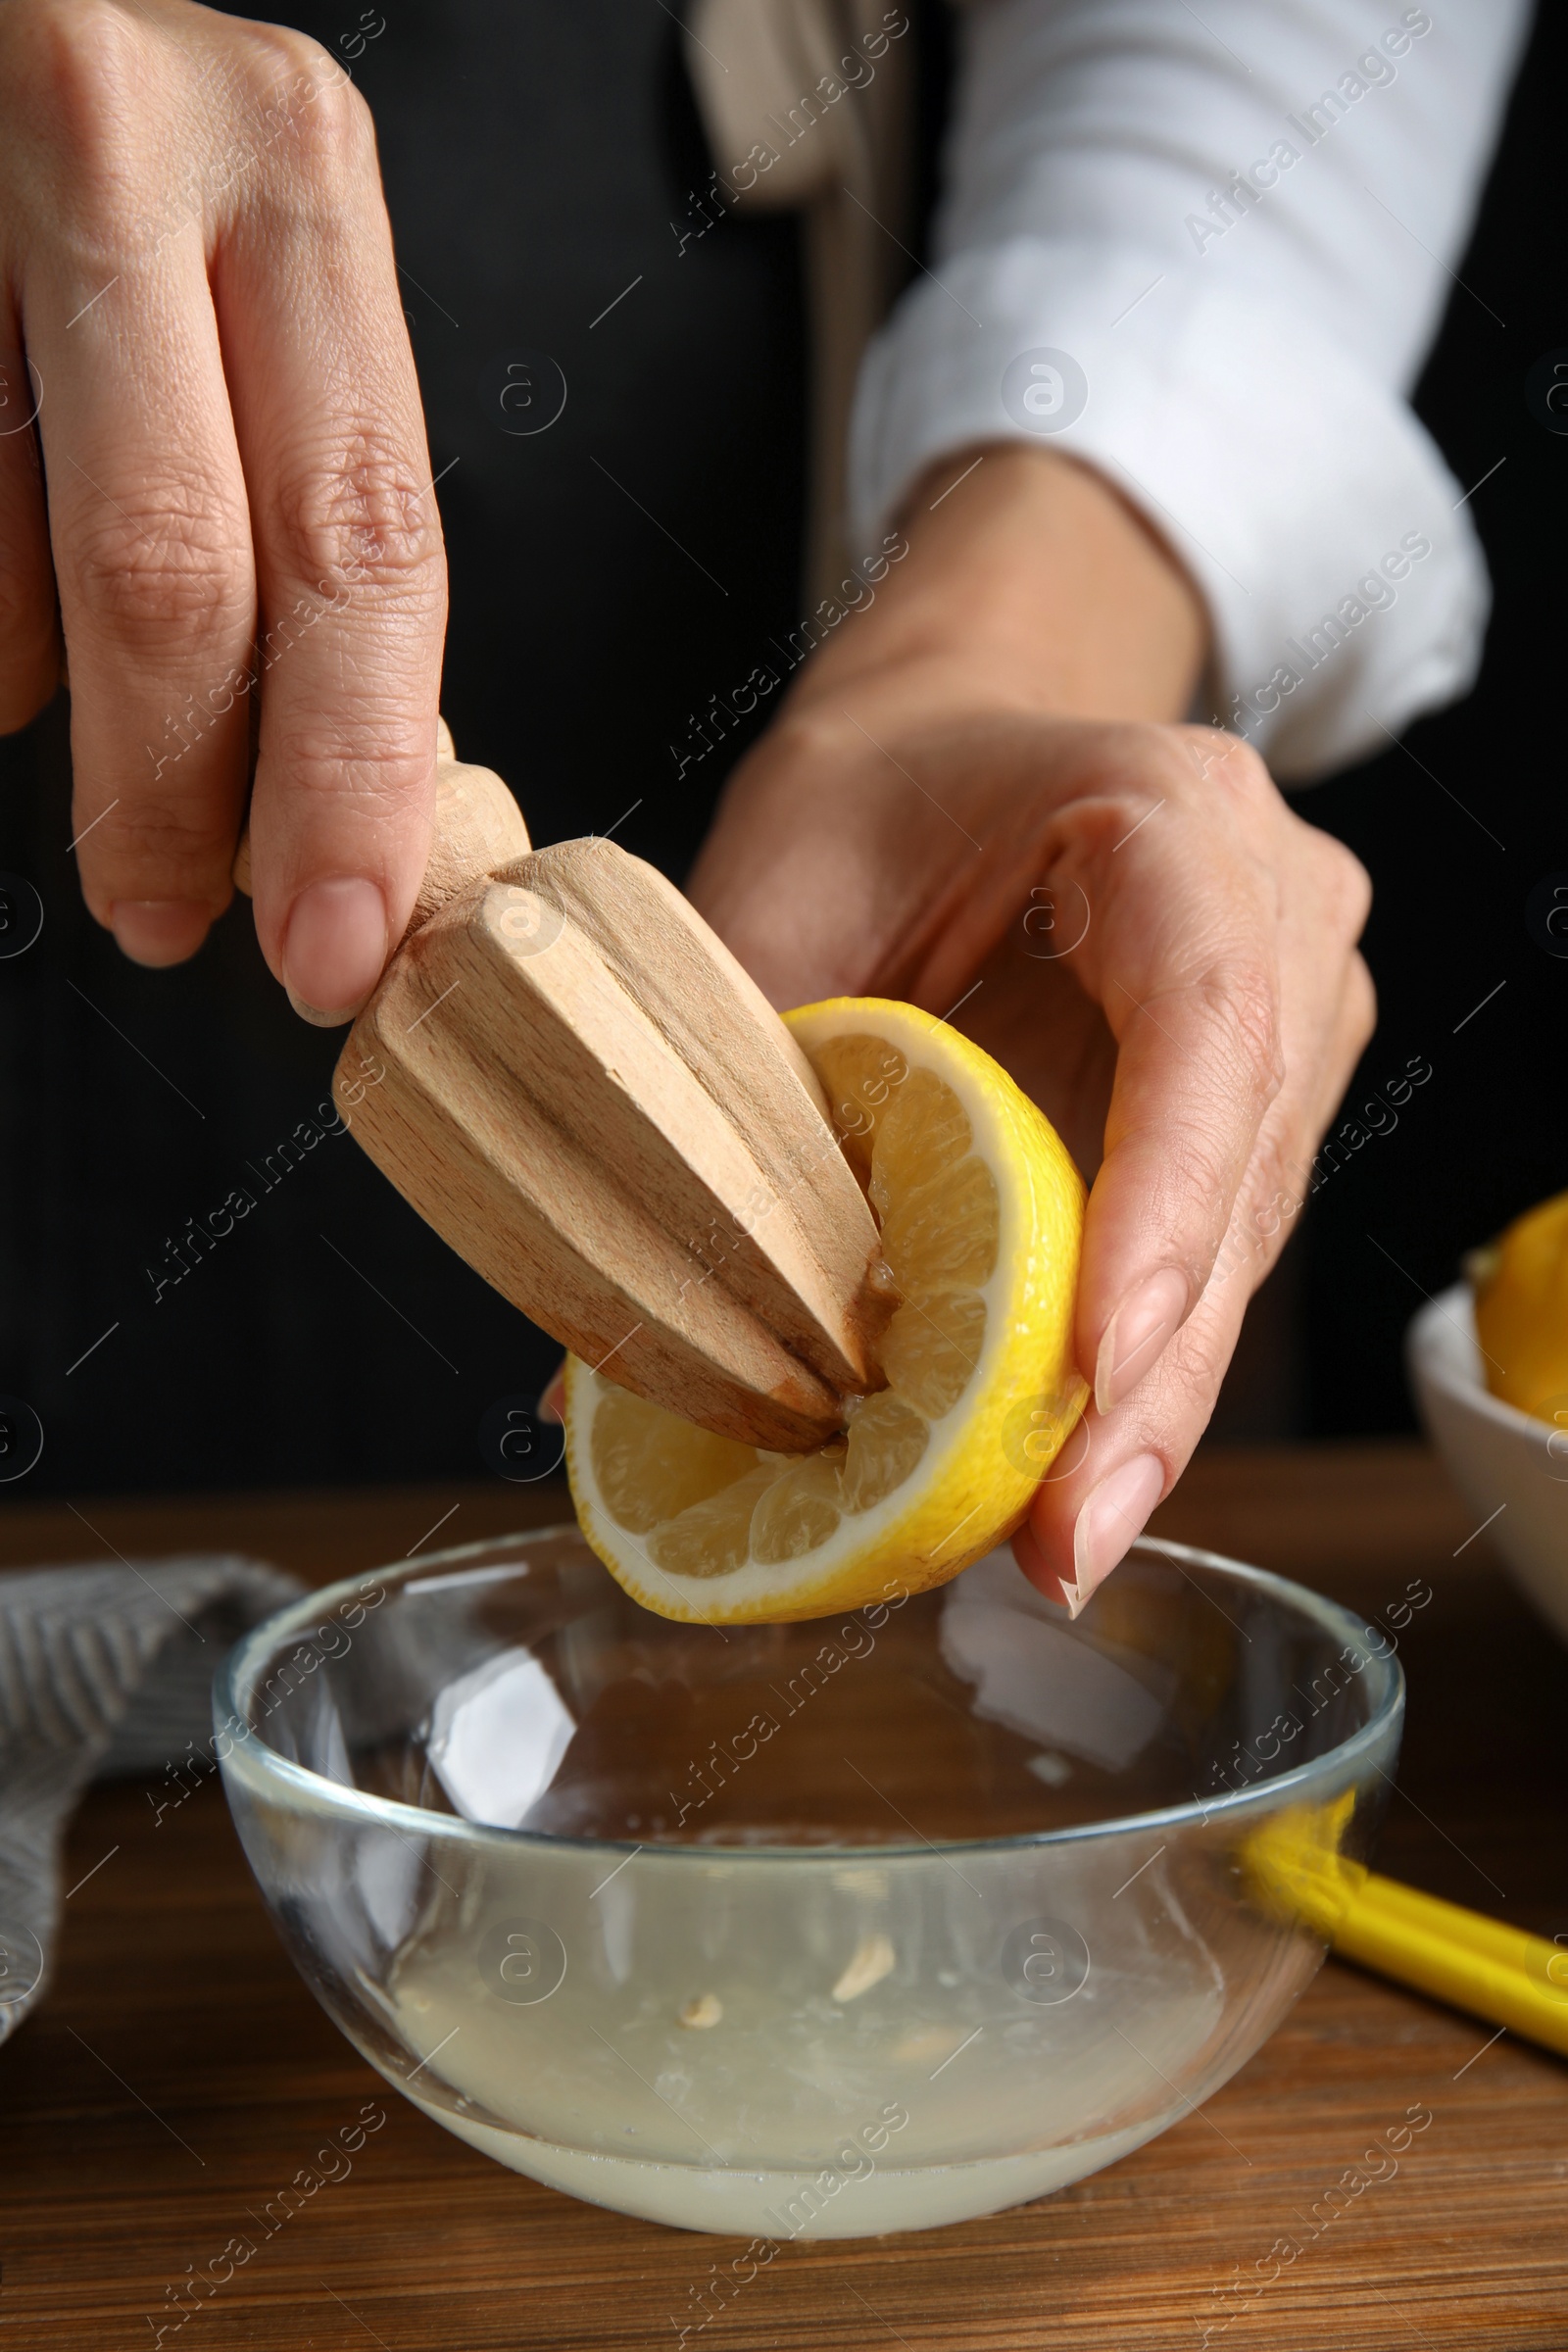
(552, 1405)
(334, 947)
(1110, 1516)
(1137, 1333)
(159, 931)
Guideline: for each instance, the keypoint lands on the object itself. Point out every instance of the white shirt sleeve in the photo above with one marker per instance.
(1205, 251)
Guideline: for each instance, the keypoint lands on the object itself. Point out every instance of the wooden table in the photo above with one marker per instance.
(178, 2073)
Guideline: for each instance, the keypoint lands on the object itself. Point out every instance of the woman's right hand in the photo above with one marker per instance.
(199, 306)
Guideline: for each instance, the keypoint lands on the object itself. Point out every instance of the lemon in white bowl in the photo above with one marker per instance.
(1510, 1466)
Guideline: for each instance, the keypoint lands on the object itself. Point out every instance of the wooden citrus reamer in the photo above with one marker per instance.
(571, 1079)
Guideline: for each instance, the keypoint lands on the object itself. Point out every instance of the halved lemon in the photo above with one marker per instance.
(980, 1211)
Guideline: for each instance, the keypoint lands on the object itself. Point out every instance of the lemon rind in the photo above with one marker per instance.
(968, 1494)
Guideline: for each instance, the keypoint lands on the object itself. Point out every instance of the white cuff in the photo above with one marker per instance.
(1342, 577)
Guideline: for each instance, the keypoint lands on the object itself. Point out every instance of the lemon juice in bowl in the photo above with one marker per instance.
(687, 1919)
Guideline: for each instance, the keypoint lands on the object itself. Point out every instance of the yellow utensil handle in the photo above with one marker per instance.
(1504, 1974)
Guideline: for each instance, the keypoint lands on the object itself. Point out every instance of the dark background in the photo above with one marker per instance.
(332, 1336)
(1487, 1134)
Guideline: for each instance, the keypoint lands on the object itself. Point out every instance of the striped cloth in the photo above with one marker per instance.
(103, 1671)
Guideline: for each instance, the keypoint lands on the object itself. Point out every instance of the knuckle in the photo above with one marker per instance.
(328, 126)
(160, 572)
(1133, 769)
(159, 843)
(1206, 773)
(379, 761)
(1244, 770)
(816, 728)
(1200, 1353)
(91, 70)
(332, 133)
(1200, 1357)
(1137, 753)
(1239, 1000)
(1362, 1007)
(1199, 1165)
(167, 831)
(1254, 1025)
(278, 54)
(1206, 748)
(820, 740)
(1215, 756)
(1274, 1187)
(361, 518)
(1345, 884)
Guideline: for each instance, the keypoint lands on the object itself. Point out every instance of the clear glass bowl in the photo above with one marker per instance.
(823, 1929)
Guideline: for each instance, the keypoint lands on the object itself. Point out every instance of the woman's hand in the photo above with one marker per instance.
(971, 802)
(199, 303)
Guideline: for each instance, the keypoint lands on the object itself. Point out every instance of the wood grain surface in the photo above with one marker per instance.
(574, 1081)
(179, 2074)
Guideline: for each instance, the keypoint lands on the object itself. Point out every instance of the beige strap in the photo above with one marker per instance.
(807, 104)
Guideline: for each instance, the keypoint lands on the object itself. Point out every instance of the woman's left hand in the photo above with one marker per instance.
(972, 802)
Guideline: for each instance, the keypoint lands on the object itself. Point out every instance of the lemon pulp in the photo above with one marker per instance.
(980, 1211)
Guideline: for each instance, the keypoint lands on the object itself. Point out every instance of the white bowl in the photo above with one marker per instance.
(1511, 1468)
